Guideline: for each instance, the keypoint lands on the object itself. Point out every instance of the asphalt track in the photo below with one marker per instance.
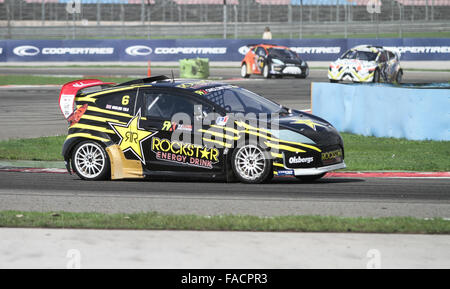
(34, 112)
(371, 197)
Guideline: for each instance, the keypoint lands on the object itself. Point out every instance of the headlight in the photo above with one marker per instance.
(277, 62)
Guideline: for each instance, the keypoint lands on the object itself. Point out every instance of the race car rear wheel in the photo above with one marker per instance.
(90, 161)
(312, 178)
(399, 77)
(251, 164)
(376, 76)
(244, 73)
(266, 71)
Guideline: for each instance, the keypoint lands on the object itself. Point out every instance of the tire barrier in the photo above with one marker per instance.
(194, 68)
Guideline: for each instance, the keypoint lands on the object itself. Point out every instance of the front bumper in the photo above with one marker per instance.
(318, 171)
(302, 71)
(351, 74)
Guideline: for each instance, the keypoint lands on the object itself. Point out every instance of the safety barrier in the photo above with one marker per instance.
(216, 50)
(385, 110)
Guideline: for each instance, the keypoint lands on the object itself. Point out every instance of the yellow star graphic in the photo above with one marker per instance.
(308, 122)
(205, 153)
(132, 136)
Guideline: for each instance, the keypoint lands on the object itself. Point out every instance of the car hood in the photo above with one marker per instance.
(318, 130)
(290, 61)
(354, 63)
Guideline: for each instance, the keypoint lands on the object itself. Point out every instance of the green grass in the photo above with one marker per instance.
(46, 80)
(361, 153)
(372, 153)
(156, 221)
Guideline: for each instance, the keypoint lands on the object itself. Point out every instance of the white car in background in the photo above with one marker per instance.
(366, 63)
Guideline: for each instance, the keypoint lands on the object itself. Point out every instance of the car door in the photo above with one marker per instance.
(175, 121)
(260, 57)
(383, 62)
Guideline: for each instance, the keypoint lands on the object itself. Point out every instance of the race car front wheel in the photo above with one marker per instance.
(251, 164)
(90, 161)
(244, 73)
(266, 71)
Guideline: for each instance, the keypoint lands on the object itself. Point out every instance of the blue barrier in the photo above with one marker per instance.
(217, 50)
(384, 111)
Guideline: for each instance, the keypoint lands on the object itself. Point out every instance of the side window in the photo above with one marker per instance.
(118, 101)
(260, 51)
(391, 55)
(164, 105)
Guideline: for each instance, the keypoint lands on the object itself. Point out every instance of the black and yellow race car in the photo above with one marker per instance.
(160, 127)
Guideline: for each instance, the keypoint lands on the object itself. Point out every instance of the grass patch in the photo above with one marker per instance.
(47, 80)
(156, 221)
(372, 153)
(361, 153)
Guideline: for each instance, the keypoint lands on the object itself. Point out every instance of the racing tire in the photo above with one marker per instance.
(334, 81)
(244, 73)
(399, 77)
(312, 178)
(266, 71)
(91, 162)
(251, 164)
(376, 76)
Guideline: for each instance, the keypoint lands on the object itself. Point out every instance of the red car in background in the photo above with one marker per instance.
(273, 60)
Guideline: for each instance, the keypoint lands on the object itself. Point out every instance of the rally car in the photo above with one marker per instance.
(366, 63)
(273, 60)
(160, 127)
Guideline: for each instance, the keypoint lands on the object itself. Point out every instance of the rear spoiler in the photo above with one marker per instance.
(70, 90)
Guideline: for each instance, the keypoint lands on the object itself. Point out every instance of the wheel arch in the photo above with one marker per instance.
(70, 144)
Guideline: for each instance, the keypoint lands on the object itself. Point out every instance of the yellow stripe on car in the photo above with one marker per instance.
(91, 127)
(88, 136)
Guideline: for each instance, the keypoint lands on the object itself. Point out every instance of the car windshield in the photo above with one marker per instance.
(239, 100)
(283, 53)
(360, 55)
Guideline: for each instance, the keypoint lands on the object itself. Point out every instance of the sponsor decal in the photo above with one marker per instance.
(317, 50)
(214, 89)
(191, 50)
(285, 173)
(26, 50)
(132, 136)
(82, 84)
(172, 126)
(333, 155)
(117, 108)
(185, 154)
(300, 160)
(194, 85)
(419, 49)
(244, 50)
(139, 50)
(78, 50)
(222, 120)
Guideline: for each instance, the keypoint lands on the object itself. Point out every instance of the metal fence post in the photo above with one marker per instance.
(235, 21)
(225, 19)
(8, 21)
(99, 15)
(143, 12)
(43, 13)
